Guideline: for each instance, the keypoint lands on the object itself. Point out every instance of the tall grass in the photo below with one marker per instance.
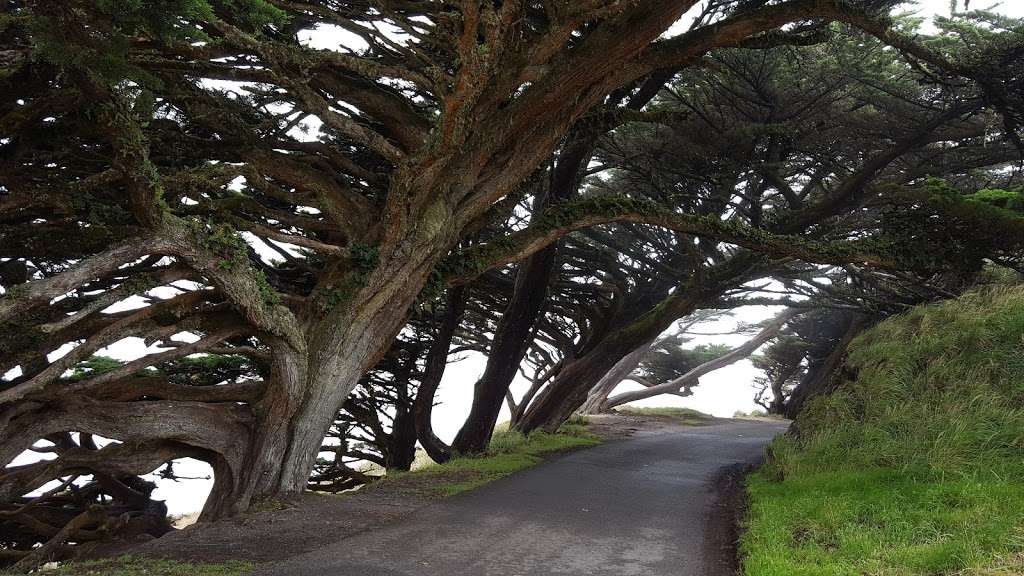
(916, 464)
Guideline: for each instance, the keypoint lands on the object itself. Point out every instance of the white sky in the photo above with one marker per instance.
(720, 393)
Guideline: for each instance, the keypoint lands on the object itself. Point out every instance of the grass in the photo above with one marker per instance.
(508, 452)
(916, 465)
(132, 566)
(684, 415)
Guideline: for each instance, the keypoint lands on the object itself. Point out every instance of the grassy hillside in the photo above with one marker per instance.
(916, 466)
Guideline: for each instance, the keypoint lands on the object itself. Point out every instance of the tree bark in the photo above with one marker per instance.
(511, 341)
(309, 386)
(607, 384)
(402, 447)
(437, 360)
(512, 338)
(568, 391)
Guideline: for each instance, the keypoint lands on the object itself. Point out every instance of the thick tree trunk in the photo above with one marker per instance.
(308, 387)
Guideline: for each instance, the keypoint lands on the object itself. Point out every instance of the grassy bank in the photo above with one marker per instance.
(686, 416)
(508, 452)
(916, 466)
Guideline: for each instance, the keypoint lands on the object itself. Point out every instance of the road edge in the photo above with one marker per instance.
(724, 523)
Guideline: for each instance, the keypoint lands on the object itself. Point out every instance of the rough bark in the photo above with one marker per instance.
(568, 391)
(512, 338)
(508, 347)
(395, 185)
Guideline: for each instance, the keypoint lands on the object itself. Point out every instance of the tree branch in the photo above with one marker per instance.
(562, 219)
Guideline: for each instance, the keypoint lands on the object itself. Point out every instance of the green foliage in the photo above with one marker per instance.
(94, 366)
(912, 467)
(267, 293)
(1005, 199)
(941, 226)
(253, 14)
(233, 252)
(364, 256)
(364, 259)
(160, 18)
(105, 31)
(224, 241)
(209, 369)
(134, 566)
(668, 359)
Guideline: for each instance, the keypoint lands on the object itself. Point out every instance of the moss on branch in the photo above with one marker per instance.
(567, 217)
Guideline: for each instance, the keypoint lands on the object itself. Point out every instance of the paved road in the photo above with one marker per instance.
(633, 507)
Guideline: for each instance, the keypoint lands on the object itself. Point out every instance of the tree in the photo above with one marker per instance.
(150, 148)
(761, 146)
(687, 380)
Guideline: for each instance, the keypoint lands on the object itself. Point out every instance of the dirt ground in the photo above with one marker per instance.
(316, 520)
(722, 535)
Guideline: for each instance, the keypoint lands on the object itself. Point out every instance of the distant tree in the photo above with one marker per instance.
(782, 366)
(710, 360)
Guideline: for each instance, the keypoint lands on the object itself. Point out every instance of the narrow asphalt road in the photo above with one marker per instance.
(635, 507)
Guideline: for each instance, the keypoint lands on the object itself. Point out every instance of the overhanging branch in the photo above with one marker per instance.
(572, 216)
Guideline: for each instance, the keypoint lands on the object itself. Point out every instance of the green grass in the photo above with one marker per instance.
(508, 452)
(916, 465)
(684, 415)
(132, 566)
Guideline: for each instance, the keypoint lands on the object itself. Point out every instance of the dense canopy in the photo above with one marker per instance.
(304, 208)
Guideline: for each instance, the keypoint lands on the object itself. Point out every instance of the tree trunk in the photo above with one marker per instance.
(510, 344)
(437, 360)
(778, 387)
(513, 336)
(691, 377)
(818, 379)
(569, 390)
(402, 447)
(623, 368)
(310, 386)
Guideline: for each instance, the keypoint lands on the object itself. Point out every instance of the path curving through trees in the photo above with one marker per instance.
(643, 506)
